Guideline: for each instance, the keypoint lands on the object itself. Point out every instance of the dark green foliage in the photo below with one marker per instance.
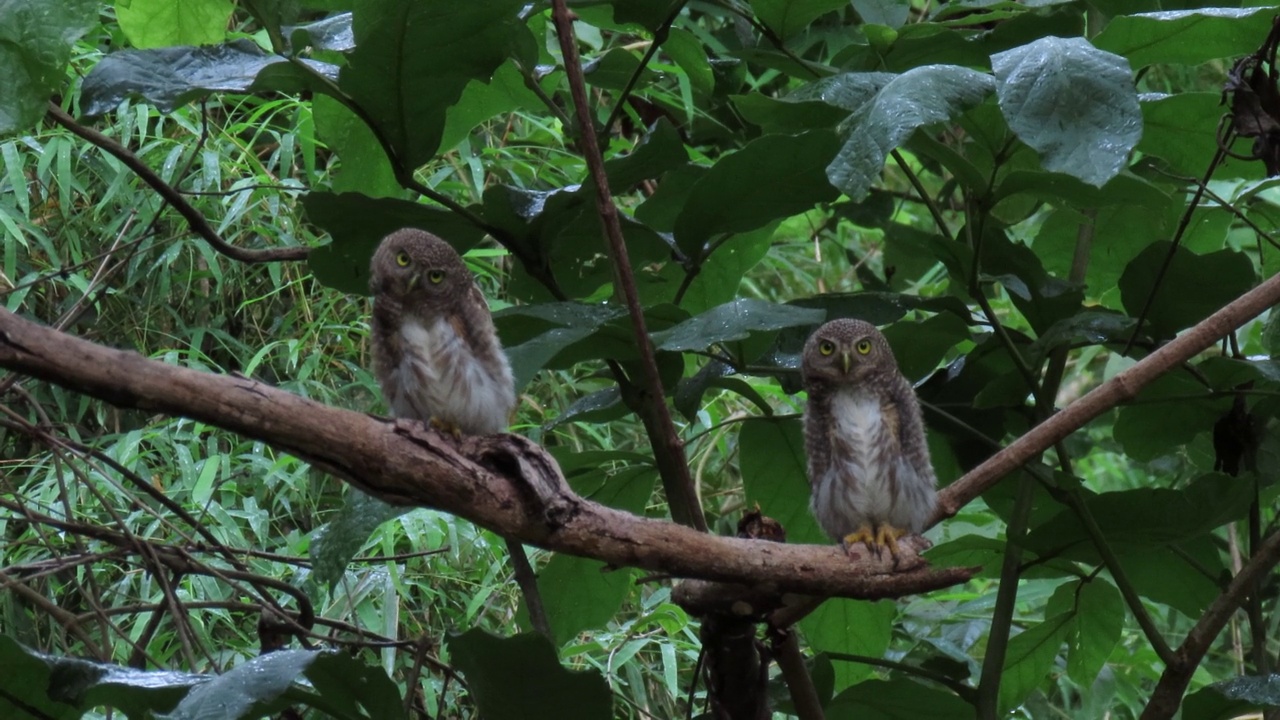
(992, 184)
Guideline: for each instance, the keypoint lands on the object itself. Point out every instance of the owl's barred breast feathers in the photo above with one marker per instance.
(868, 461)
(436, 352)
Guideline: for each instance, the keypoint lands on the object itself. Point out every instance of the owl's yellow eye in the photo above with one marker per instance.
(826, 347)
(436, 277)
(402, 259)
(863, 347)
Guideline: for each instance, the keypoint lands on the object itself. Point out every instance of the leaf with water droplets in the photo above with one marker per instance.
(1074, 104)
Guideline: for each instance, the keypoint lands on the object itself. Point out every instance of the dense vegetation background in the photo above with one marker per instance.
(1029, 198)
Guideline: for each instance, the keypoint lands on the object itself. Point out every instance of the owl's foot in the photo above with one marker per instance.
(447, 427)
(877, 539)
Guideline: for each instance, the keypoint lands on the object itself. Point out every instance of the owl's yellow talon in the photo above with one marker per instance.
(877, 539)
(448, 427)
(863, 535)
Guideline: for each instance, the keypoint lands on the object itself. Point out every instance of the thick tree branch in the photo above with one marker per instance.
(1167, 696)
(195, 219)
(1120, 388)
(503, 482)
(668, 451)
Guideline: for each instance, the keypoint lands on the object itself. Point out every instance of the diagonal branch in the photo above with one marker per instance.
(668, 450)
(1173, 683)
(199, 225)
(1120, 388)
(502, 482)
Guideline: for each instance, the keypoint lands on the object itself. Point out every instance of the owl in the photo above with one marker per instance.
(435, 351)
(869, 471)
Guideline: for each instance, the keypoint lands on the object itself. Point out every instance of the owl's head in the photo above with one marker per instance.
(418, 269)
(846, 352)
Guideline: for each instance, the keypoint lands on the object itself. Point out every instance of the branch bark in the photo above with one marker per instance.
(1120, 388)
(1167, 696)
(503, 482)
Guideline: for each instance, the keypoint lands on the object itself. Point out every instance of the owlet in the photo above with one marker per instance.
(435, 351)
(869, 471)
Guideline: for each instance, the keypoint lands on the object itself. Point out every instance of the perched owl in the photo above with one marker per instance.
(435, 351)
(869, 470)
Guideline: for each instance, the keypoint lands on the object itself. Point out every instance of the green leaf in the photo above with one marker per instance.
(1095, 630)
(787, 17)
(260, 680)
(535, 335)
(1188, 37)
(413, 61)
(357, 224)
(1259, 691)
(1029, 657)
(1169, 412)
(1166, 577)
(582, 593)
(881, 308)
(787, 115)
(854, 627)
(160, 23)
(337, 541)
(364, 165)
(916, 98)
(734, 320)
(890, 13)
(689, 53)
(919, 346)
(1120, 233)
(65, 687)
(36, 36)
(774, 475)
(729, 198)
(898, 698)
(1146, 516)
(519, 678)
(1124, 189)
(718, 281)
(660, 150)
(173, 76)
(1072, 103)
(354, 687)
(1182, 130)
(1183, 297)
(506, 92)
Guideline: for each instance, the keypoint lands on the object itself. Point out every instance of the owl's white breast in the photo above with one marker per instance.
(854, 488)
(440, 377)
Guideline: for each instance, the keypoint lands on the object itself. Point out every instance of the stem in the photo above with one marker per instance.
(668, 449)
(988, 696)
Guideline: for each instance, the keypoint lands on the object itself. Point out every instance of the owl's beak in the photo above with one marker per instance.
(846, 362)
(413, 282)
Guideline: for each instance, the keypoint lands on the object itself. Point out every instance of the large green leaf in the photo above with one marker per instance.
(337, 541)
(1029, 657)
(34, 684)
(1095, 631)
(1169, 412)
(897, 698)
(35, 45)
(773, 177)
(484, 99)
(580, 593)
(1146, 516)
(173, 76)
(1188, 37)
(358, 223)
(916, 98)
(787, 17)
(1182, 130)
(734, 320)
(1072, 103)
(519, 678)
(364, 166)
(413, 60)
(160, 23)
(772, 459)
(1183, 298)
(853, 627)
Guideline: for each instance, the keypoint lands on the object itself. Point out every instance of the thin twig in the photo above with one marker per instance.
(195, 219)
